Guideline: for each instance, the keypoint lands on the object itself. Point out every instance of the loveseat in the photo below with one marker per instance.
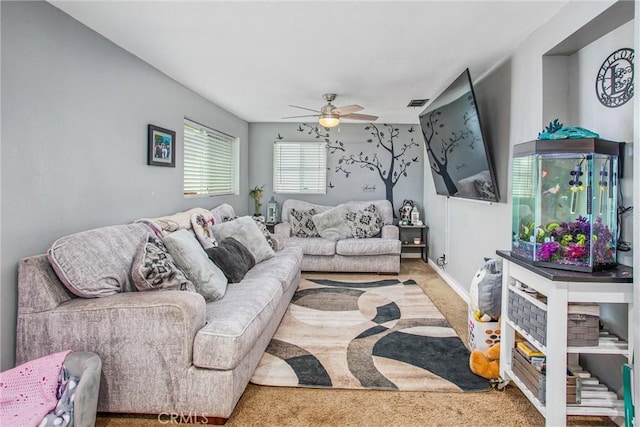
(339, 250)
(166, 352)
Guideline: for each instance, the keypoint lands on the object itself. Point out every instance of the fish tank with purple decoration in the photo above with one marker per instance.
(565, 199)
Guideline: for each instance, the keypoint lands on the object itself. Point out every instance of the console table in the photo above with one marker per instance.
(561, 287)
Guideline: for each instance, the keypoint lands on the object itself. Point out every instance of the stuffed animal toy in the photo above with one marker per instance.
(405, 210)
(486, 363)
(485, 293)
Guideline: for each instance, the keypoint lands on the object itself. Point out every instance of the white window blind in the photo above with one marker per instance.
(522, 177)
(300, 167)
(210, 161)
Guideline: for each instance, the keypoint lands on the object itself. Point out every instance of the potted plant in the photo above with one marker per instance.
(256, 195)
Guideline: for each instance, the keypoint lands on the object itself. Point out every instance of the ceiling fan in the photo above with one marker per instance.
(330, 115)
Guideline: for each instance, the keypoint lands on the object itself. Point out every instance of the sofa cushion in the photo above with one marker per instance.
(209, 280)
(221, 212)
(245, 231)
(97, 263)
(332, 224)
(365, 223)
(372, 246)
(302, 223)
(232, 258)
(300, 205)
(203, 229)
(285, 266)
(384, 208)
(313, 245)
(235, 323)
(180, 220)
(154, 268)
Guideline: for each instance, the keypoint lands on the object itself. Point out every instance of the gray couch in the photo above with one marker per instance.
(376, 254)
(163, 352)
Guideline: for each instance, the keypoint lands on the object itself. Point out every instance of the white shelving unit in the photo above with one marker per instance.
(560, 288)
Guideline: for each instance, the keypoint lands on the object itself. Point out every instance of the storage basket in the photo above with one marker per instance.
(536, 381)
(530, 314)
(482, 335)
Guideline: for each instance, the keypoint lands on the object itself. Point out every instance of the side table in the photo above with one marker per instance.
(407, 235)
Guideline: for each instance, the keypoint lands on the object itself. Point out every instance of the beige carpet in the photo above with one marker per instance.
(285, 406)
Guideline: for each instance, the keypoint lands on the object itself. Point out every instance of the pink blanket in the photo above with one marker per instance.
(28, 391)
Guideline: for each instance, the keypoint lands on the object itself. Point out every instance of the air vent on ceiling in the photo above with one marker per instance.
(417, 102)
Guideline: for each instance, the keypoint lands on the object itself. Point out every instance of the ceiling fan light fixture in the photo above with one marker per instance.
(329, 120)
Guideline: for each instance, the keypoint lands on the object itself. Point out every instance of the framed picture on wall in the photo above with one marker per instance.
(162, 147)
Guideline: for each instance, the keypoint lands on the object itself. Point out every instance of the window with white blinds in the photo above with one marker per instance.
(210, 161)
(300, 167)
(522, 177)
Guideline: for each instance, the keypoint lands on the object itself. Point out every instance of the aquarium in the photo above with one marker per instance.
(564, 195)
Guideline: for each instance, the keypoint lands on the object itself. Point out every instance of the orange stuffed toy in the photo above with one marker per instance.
(486, 363)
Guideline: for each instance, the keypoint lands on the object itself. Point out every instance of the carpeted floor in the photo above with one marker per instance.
(285, 406)
(384, 334)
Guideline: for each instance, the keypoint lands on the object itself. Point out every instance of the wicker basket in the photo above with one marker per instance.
(530, 314)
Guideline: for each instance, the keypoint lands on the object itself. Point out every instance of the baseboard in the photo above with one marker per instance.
(462, 293)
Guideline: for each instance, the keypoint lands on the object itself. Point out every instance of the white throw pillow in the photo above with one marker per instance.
(202, 227)
(332, 224)
(245, 231)
(189, 256)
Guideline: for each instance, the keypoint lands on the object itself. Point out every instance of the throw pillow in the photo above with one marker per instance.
(207, 278)
(154, 268)
(365, 223)
(202, 227)
(245, 230)
(233, 258)
(97, 263)
(302, 223)
(261, 225)
(265, 232)
(332, 224)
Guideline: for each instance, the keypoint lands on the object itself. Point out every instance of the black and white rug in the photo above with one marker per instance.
(384, 335)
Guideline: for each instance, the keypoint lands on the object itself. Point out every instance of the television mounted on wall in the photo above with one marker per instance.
(456, 147)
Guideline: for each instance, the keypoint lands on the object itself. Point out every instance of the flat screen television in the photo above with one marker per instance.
(455, 144)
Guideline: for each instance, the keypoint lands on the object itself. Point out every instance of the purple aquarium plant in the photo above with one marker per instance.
(547, 250)
(603, 243)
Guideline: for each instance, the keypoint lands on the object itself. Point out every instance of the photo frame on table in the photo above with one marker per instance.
(162, 147)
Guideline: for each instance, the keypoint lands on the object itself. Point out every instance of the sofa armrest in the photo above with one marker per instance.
(278, 242)
(120, 328)
(390, 231)
(282, 229)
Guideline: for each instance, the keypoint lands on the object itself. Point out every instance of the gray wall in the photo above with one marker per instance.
(361, 181)
(75, 109)
(467, 231)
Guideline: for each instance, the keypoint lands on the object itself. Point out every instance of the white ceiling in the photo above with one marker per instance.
(255, 58)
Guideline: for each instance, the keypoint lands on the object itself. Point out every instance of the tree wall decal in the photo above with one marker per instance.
(388, 161)
(439, 148)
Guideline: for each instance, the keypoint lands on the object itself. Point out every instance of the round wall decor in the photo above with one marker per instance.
(614, 82)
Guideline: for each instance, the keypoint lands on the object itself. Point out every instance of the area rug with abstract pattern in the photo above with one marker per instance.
(385, 334)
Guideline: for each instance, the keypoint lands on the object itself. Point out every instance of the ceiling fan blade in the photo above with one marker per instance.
(360, 117)
(296, 117)
(347, 109)
(305, 108)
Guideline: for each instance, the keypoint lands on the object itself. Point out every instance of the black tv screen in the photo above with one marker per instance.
(455, 144)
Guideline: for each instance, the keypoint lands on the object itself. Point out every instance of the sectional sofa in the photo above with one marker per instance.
(162, 351)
